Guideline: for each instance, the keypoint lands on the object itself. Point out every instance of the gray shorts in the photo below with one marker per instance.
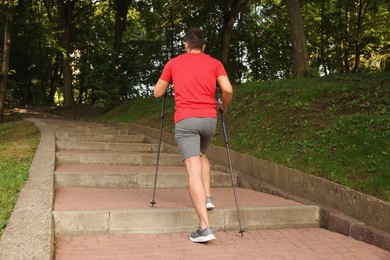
(193, 135)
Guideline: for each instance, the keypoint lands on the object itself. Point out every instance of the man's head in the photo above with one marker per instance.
(195, 39)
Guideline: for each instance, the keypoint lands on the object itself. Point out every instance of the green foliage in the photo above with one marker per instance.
(12, 177)
(334, 127)
(336, 34)
(260, 47)
(18, 143)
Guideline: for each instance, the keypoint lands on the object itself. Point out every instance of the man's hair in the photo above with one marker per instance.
(195, 38)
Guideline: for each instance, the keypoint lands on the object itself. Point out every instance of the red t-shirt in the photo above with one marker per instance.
(194, 76)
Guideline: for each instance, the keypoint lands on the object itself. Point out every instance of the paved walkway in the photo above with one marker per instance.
(299, 243)
(303, 243)
(313, 243)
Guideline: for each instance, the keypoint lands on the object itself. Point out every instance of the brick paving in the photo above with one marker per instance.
(29, 235)
(101, 198)
(312, 243)
(305, 243)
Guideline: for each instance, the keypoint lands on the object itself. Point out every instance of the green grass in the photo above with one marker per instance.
(18, 143)
(335, 127)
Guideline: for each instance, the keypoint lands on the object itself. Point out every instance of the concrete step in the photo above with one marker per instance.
(87, 127)
(117, 158)
(73, 123)
(80, 137)
(126, 211)
(108, 146)
(91, 130)
(78, 175)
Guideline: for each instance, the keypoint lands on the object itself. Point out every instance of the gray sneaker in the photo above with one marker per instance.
(209, 203)
(202, 236)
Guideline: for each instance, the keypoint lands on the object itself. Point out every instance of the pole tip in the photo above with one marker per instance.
(241, 232)
(153, 203)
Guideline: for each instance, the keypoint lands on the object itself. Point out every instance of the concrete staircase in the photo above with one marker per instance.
(104, 180)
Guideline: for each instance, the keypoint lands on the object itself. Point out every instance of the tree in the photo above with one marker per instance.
(322, 32)
(65, 8)
(301, 58)
(231, 9)
(103, 54)
(67, 12)
(6, 51)
(121, 8)
(359, 23)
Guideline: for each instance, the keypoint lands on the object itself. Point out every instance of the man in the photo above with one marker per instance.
(194, 76)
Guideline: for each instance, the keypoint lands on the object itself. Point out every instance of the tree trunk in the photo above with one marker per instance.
(6, 50)
(172, 29)
(301, 58)
(346, 40)
(359, 23)
(66, 12)
(323, 55)
(42, 98)
(55, 75)
(341, 41)
(121, 10)
(230, 16)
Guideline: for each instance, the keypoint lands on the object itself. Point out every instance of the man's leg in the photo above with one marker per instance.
(206, 177)
(206, 174)
(197, 189)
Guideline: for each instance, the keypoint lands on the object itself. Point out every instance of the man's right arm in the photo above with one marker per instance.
(227, 92)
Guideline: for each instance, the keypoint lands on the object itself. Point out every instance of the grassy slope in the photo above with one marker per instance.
(18, 143)
(334, 127)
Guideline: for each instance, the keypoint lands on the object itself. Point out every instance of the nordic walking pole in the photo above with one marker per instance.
(231, 169)
(158, 149)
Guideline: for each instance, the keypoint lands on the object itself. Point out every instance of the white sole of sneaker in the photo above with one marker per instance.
(203, 239)
(210, 206)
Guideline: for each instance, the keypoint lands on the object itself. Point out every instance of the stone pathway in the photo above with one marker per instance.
(311, 243)
(102, 208)
(103, 179)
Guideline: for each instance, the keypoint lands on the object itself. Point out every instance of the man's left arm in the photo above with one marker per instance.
(160, 88)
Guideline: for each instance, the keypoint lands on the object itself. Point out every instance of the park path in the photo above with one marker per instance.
(88, 197)
(104, 177)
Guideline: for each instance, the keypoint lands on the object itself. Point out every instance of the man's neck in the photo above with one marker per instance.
(194, 51)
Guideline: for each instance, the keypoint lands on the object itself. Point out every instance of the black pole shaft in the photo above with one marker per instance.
(234, 182)
(153, 202)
